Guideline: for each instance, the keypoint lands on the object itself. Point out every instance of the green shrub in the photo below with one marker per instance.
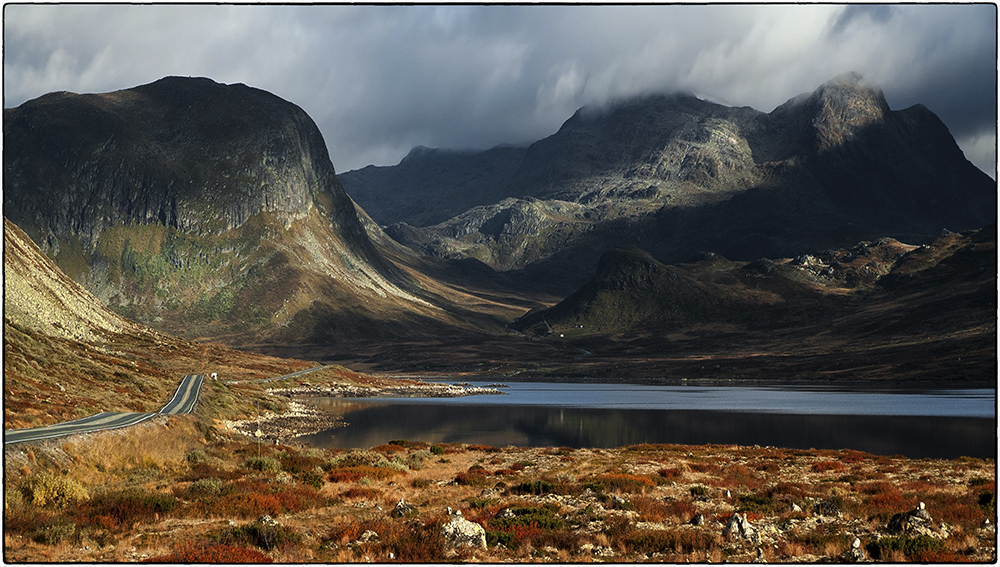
(911, 546)
(263, 535)
(755, 503)
(53, 534)
(198, 456)
(698, 491)
(45, 488)
(437, 449)
(537, 487)
(538, 516)
(205, 487)
(263, 464)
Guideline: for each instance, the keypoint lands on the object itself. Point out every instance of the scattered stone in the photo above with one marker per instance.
(403, 510)
(826, 508)
(917, 521)
(459, 532)
(760, 557)
(855, 554)
(698, 520)
(739, 527)
(368, 536)
(266, 520)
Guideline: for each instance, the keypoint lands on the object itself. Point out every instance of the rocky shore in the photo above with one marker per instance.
(305, 419)
(418, 390)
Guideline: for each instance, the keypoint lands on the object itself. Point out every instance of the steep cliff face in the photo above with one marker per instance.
(675, 175)
(194, 206)
(185, 153)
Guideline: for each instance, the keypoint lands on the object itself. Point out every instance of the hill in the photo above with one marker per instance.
(878, 310)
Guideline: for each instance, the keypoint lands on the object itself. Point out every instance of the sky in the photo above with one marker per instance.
(381, 79)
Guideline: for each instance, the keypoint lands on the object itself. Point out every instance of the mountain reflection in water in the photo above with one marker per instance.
(372, 423)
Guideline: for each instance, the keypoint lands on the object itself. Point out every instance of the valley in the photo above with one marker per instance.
(189, 228)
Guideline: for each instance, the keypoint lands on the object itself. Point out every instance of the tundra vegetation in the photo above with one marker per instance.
(163, 492)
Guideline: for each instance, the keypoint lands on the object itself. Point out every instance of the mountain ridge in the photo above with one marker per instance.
(835, 165)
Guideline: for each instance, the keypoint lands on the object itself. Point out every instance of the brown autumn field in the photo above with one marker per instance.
(190, 489)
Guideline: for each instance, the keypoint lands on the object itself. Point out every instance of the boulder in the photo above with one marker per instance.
(739, 527)
(459, 532)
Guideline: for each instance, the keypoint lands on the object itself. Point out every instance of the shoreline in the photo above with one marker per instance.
(303, 418)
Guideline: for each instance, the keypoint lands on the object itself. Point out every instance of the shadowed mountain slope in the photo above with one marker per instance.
(67, 356)
(675, 175)
(202, 209)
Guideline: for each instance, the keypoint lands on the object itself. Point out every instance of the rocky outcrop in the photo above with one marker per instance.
(459, 532)
(739, 528)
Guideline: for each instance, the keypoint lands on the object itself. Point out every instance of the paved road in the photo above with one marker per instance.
(183, 402)
(186, 396)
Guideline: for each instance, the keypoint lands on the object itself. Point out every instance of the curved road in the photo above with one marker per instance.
(183, 402)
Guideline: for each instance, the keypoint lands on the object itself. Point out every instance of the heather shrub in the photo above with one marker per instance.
(671, 473)
(111, 510)
(245, 505)
(356, 473)
(475, 476)
(825, 466)
(620, 482)
(649, 509)
(671, 541)
(191, 552)
(361, 492)
(45, 489)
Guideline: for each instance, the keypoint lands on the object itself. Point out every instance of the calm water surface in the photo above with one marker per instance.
(914, 422)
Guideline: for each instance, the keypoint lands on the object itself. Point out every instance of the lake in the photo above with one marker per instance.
(916, 422)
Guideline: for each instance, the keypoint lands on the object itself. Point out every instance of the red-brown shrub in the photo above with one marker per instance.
(299, 498)
(622, 482)
(710, 468)
(192, 552)
(246, 505)
(824, 466)
(356, 473)
(671, 473)
(361, 492)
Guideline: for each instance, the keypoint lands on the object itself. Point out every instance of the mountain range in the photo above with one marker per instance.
(646, 234)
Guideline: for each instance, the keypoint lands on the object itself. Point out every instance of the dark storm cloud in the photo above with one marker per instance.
(381, 79)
